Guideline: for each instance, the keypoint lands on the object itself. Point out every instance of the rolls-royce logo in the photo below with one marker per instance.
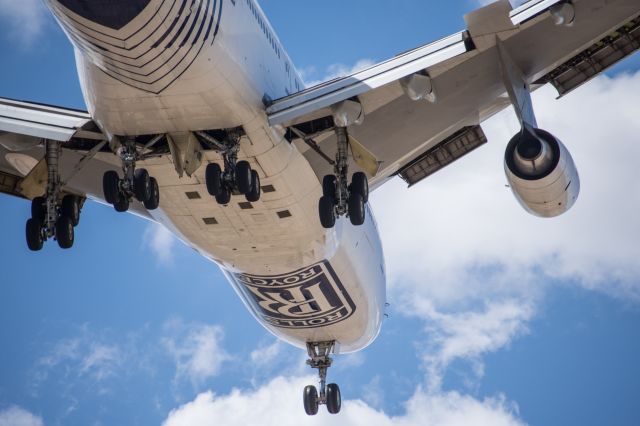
(308, 298)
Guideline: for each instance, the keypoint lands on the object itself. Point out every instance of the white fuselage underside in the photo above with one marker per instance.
(302, 282)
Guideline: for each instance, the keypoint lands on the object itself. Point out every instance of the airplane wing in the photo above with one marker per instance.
(422, 110)
(85, 155)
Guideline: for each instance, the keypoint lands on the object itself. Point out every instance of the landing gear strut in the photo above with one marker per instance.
(135, 183)
(329, 395)
(237, 177)
(340, 198)
(53, 215)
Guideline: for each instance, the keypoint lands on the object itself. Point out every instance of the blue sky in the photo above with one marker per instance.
(496, 317)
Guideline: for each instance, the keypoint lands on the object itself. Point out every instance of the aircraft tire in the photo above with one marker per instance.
(141, 185)
(34, 234)
(360, 185)
(327, 212)
(356, 209)
(254, 194)
(224, 196)
(243, 176)
(329, 186)
(121, 204)
(310, 399)
(334, 400)
(64, 232)
(213, 179)
(110, 186)
(71, 208)
(154, 198)
(39, 209)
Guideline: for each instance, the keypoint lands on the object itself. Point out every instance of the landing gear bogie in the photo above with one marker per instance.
(54, 215)
(348, 198)
(120, 191)
(239, 179)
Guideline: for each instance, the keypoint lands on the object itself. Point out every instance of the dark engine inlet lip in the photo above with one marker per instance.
(511, 149)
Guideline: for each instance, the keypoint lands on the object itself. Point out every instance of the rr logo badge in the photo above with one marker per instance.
(308, 298)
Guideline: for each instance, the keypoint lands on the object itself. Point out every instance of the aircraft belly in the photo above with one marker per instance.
(339, 299)
(342, 297)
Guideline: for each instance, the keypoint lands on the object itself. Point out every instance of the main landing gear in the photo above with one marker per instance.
(329, 395)
(135, 183)
(237, 177)
(338, 196)
(53, 215)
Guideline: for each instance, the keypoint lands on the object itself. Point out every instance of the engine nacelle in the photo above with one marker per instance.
(541, 173)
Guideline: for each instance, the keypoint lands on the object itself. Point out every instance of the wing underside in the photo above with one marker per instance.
(464, 86)
(25, 126)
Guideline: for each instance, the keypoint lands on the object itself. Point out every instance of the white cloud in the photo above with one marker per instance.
(334, 71)
(197, 350)
(461, 237)
(266, 355)
(161, 242)
(23, 20)
(468, 335)
(84, 356)
(16, 416)
(279, 402)
(467, 259)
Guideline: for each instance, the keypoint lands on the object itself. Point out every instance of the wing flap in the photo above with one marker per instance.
(40, 121)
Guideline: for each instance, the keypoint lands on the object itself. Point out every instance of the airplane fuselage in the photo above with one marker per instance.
(179, 66)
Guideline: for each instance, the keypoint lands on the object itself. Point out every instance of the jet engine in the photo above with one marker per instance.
(541, 173)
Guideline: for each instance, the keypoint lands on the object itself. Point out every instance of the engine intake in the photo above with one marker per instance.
(541, 173)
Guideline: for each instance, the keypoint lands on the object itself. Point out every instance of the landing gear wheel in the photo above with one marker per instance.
(34, 234)
(254, 195)
(38, 209)
(327, 211)
(310, 399)
(224, 196)
(64, 232)
(360, 185)
(329, 186)
(154, 198)
(141, 187)
(71, 208)
(111, 186)
(121, 204)
(356, 209)
(334, 400)
(213, 178)
(243, 176)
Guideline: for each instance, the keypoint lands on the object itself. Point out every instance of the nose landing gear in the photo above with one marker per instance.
(329, 395)
(135, 183)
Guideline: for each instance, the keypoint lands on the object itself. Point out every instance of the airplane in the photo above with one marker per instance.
(198, 119)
